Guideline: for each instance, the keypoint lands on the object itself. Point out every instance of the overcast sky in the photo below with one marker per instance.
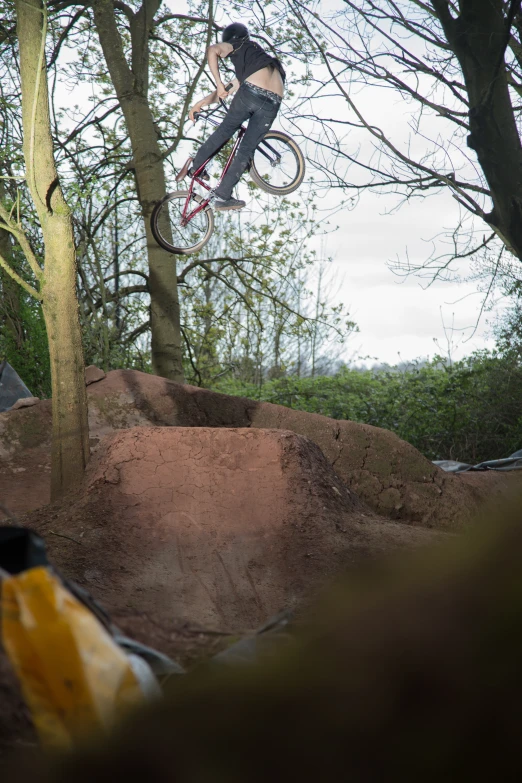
(398, 320)
(401, 319)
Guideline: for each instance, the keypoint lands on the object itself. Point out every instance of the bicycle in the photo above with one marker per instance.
(277, 167)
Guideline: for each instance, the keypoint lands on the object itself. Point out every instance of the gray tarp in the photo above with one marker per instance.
(514, 462)
(260, 645)
(12, 388)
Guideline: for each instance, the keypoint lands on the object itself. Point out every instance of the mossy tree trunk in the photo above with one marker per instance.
(131, 84)
(57, 278)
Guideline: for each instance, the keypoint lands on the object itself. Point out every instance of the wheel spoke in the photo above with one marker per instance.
(170, 230)
(276, 162)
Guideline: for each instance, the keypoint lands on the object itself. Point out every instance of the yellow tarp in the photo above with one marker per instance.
(74, 677)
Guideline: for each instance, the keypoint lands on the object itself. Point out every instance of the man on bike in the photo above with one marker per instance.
(259, 88)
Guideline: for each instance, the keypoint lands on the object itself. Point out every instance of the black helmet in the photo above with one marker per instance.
(234, 32)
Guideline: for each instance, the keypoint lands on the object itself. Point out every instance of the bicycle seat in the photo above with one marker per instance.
(187, 171)
(184, 171)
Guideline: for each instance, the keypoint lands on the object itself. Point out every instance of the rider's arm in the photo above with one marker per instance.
(212, 98)
(213, 52)
(206, 101)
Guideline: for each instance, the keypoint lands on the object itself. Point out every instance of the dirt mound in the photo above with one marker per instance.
(385, 471)
(399, 674)
(25, 457)
(218, 528)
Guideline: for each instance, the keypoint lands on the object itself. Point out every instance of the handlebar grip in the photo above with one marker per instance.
(228, 87)
(197, 115)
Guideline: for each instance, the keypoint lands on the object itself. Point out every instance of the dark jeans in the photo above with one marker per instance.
(260, 111)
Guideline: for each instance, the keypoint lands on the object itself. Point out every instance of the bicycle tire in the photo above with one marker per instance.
(261, 182)
(175, 248)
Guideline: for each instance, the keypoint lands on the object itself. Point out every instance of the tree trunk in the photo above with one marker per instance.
(479, 36)
(70, 439)
(131, 86)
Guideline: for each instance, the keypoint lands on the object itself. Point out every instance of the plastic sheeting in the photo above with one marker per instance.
(77, 675)
(267, 640)
(514, 462)
(12, 388)
(74, 677)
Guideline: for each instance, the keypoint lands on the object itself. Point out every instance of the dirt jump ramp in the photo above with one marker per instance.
(219, 528)
(390, 475)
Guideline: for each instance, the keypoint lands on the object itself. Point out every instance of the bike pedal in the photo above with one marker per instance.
(203, 175)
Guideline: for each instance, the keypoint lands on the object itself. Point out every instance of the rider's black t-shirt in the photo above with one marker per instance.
(248, 57)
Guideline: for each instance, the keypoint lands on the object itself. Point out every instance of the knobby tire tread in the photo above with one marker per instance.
(263, 184)
(154, 218)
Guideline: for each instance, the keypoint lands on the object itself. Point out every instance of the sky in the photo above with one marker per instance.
(402, 318)
(399, 319)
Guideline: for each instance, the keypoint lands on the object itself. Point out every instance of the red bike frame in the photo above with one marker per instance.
(186, 216)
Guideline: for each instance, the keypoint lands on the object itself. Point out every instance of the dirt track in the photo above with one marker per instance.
(215, 511)
(214, 528)
(388, 474)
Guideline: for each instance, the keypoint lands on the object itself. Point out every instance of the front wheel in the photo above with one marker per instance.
(278, 166)
(167, 228)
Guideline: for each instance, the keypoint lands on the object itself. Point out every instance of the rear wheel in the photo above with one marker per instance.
(278, 166)
(168, 231)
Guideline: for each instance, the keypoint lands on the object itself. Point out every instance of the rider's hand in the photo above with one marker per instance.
(221, 91)
(197, 107)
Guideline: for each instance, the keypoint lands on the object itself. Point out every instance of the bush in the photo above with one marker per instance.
(470, 410)
(30, 355)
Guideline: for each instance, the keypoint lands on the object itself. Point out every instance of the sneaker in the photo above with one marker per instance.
(188, 170)
(203, 174)
(229, 203)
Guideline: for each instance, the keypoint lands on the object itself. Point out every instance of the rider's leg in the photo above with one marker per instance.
(261, 120)
(236, 115)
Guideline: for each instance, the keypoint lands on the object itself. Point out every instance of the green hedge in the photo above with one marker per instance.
(469, 410)
(30, 357)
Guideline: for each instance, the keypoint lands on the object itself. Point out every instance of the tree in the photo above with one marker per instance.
(140, 47)
(112, 265)
(10, 312)
(456, 67)
(226, 291)
(96, 156)
(244, 299)
(54, 281)
(23, 340)
(125, 38)
(248, 311)
(131, 85)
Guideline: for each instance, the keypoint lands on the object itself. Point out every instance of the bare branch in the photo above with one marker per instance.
(15, 276)
(185, 17)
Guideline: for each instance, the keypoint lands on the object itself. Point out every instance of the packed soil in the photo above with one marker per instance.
(210, 528)
(402, 668)
(201, 515)
(387, 473)
(25, 458)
